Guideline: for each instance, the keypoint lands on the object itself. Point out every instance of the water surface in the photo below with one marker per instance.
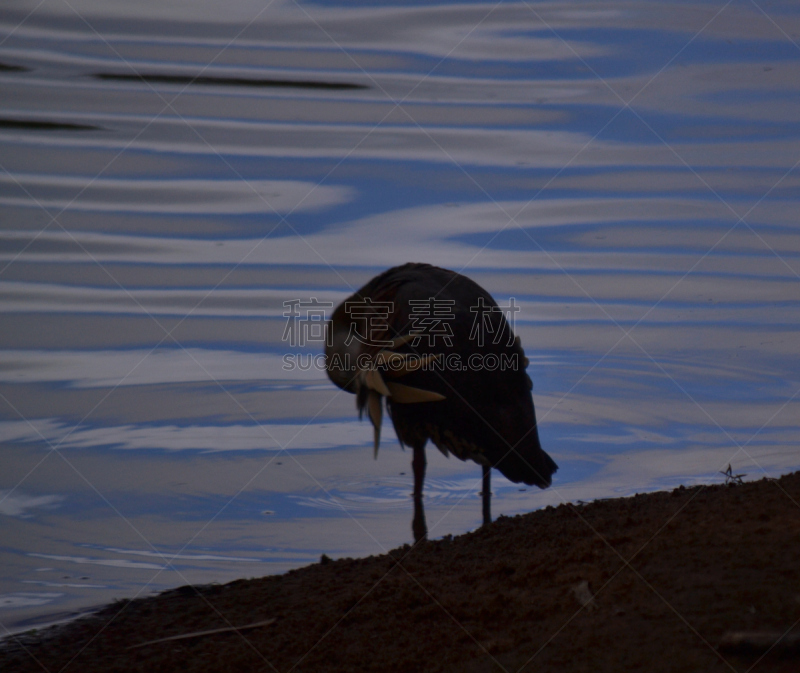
(170, 176)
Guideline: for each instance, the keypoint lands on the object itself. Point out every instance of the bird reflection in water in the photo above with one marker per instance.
(436, 349)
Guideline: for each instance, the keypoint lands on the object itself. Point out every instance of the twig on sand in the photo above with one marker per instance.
(202, 634)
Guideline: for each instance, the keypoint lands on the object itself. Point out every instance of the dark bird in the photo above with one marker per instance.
(437, 350)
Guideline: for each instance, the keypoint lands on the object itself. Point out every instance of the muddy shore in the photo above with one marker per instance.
(654, 582)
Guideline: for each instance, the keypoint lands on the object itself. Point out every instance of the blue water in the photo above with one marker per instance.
(627, 173)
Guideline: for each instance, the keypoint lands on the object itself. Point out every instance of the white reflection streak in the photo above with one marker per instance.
(379, 237)
(183, 196)
(27, 599)
(114, 563)
(190, 557)
(173, 438)
(17, 505)
(101, 369)
(502, 148)
(41, 298)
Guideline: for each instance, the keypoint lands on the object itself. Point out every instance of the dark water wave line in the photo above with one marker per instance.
(6, 67)
(38, 125)
(230, 81)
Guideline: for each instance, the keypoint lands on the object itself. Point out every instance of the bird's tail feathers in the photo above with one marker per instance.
(534, 468)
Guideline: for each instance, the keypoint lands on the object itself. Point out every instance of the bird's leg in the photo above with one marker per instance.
(487, 495)
(418, 525)
(418, 464)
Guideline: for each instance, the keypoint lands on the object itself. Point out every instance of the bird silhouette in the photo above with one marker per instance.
(436, 350)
